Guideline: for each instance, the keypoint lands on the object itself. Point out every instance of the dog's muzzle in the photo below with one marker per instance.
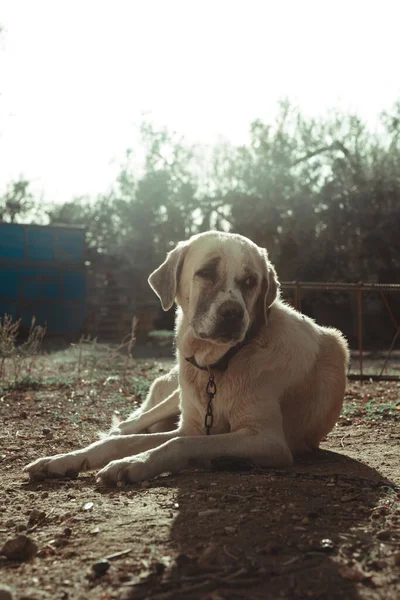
(229, 322)
(230, 313)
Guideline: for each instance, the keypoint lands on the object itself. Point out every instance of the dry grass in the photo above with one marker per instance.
(26, 364)
(18, 360)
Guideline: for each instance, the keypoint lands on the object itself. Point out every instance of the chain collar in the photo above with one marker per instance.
(220, 365)
(211, 390)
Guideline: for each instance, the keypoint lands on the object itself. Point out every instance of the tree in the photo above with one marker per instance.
(322, 195)
(17, 202)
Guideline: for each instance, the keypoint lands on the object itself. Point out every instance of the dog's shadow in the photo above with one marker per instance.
(239, 532)
(300, 533)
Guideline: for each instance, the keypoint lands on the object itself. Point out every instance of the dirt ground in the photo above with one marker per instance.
(327, 528)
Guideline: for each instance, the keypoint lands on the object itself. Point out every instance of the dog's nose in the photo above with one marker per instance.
(231, 311)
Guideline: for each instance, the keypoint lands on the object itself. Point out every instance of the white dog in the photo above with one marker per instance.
(263, 380)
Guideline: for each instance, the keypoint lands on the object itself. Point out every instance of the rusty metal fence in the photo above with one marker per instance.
(111, 309)
(298, 288)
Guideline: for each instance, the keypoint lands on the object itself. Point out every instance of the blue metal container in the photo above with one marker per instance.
(42, 275)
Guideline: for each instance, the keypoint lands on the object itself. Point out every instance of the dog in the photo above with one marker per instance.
(254, 378)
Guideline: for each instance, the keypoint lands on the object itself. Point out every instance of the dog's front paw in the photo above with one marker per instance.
(128, 427)
(60, 465)
(126, 470)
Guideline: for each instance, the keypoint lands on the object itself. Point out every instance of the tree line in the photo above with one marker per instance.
(323, 195)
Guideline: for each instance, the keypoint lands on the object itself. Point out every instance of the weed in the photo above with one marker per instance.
(89, 342)
(382, 410)
(371, 410)
(18, 360)
(112, 357)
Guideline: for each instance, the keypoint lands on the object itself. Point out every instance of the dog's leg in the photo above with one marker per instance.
(268, 449)
(167, 409)
(96, 455)
(160, 390)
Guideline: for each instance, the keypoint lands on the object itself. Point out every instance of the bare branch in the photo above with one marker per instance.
(335, 146)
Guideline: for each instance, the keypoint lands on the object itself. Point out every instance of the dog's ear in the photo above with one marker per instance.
(272, 286)
(164, 280)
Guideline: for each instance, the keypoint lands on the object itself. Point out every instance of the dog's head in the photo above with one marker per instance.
(223, 283)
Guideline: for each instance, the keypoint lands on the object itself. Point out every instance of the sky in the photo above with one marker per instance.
(77, 76)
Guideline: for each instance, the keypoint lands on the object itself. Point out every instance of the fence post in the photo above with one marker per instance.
(360, 326)
(297, 296)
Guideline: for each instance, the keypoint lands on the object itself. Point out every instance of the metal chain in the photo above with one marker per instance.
(211, 390)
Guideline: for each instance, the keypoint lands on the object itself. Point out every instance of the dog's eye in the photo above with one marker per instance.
(208, 274)
(249, 282)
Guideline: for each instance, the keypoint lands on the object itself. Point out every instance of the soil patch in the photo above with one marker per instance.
(327, 528)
